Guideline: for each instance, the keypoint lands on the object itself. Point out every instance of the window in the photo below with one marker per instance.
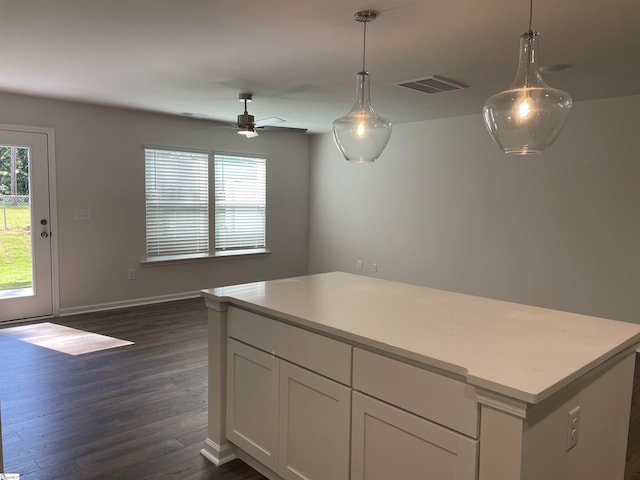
(240, 202)
(178, 202)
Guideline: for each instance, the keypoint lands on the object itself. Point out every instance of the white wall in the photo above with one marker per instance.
(443, 207)
(100, 165)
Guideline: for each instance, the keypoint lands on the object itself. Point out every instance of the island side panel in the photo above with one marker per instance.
(530, 442)
(604, 400)
(216, 448)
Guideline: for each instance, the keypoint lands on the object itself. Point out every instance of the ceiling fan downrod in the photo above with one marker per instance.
(244, 119)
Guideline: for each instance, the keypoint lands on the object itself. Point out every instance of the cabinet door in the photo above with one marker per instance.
(314, 426)
(390, 443)
(252, 402)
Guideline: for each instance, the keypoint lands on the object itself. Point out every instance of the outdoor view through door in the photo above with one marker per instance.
(16, 268)
(25, 250)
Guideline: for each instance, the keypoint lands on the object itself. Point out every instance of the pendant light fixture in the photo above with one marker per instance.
(362, 134)
(528, 116)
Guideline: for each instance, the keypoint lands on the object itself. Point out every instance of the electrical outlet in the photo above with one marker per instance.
(131, 273)
(358, 264)
(573, 428)
(374, 267)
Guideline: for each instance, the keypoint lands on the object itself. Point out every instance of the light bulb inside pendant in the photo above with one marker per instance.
(362, 134)
(524, 109)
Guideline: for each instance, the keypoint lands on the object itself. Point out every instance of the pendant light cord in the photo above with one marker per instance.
(364, 44)
(530, 40)
(363, 71)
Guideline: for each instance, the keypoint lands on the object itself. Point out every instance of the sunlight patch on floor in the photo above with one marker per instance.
(63, 339)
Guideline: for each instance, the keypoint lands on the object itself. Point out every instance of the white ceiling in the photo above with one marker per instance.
(299, 58)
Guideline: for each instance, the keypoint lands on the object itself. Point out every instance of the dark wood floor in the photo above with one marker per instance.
(135, 412)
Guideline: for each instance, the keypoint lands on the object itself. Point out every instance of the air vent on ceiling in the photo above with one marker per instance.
(433, 84)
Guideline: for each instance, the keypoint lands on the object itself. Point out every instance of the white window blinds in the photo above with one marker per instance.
(240, 202)
(177, 202)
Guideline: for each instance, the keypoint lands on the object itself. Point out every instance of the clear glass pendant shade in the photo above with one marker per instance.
(528, 117)
(361, 134)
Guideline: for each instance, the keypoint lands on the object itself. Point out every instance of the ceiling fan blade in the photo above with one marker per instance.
(269, 121)
(215, 125)
(281, 129)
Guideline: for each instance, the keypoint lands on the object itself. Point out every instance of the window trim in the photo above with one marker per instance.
(213, 254)
(196, 258)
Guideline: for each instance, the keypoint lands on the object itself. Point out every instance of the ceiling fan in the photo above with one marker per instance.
(249, 127)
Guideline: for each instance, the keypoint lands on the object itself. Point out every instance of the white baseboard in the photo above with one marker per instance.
(127, 303)
(216, 454)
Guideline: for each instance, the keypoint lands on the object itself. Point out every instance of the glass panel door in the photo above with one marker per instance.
(25, 246)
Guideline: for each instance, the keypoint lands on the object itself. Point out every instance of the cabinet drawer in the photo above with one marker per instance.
(323, 355)
(441, 399)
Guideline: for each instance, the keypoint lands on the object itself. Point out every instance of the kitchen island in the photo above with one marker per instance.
(338, 376)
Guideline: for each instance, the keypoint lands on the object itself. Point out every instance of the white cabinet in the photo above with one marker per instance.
(391, 443)
(315, 414)
(444, 386)
(408, 422)
(301, 425)
(441, 399)
(290, 419)
(252, 402)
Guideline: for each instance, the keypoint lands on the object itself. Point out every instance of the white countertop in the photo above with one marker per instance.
(525, 352)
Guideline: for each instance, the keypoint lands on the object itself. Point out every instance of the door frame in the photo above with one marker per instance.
(53, 206)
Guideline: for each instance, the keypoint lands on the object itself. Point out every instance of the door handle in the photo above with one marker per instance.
(44, 234)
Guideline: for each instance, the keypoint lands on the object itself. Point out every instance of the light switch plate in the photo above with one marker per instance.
(82, 214)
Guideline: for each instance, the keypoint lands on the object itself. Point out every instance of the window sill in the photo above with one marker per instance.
(205, 257)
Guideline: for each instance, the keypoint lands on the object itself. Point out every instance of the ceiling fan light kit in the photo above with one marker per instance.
(248, 131)
(527, 117)
(362, 134)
